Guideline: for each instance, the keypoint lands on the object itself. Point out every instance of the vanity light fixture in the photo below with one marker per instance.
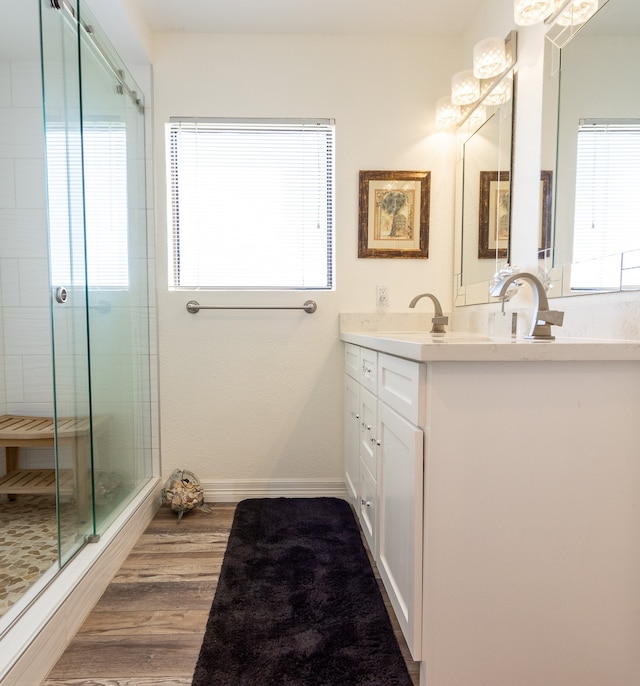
(564, 12)
(577, 12)
(529, 12)
(489, 58)
(500, 93)
(447, 114)
(469, 93)
(465, 88)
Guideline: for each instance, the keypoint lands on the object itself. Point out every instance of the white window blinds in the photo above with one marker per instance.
(251, 204)
(607, 201)
(89, 166)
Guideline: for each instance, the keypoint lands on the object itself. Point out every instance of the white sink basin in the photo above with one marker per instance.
(428, 337)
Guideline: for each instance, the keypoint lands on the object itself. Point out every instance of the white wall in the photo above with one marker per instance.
(28, 381)
(258, 395)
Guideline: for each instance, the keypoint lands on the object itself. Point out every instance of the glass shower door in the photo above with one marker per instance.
(117, 273)
(96, 170)
(69, 301)
(75, 294)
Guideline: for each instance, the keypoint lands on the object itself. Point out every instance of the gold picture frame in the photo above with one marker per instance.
(393, 218)
(494, 225)
(546, 190)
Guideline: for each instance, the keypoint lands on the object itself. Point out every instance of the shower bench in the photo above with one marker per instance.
(18, 431)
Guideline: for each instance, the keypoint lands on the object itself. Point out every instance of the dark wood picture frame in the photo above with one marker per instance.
(546, 196)
(393, 218)
(495, 192)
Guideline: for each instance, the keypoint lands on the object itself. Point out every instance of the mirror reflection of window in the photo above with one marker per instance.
(607, 201)
(591, 113)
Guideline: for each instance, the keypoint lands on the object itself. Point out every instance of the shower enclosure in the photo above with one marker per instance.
(74, 293)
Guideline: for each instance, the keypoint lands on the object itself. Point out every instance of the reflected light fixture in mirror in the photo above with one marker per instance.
(501, 92)
(477, 117)
(577, 12)
(447, 114)
(465, 88)
(489, 58)
(565, 12)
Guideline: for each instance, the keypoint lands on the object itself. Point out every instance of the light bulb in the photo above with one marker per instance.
(489, 58)
(447, 114)
(465, 88)
(500, 93)
(528, 12)
(577, 12)
(478, 116)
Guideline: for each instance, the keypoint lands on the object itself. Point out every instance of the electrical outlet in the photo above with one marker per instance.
(382, 295)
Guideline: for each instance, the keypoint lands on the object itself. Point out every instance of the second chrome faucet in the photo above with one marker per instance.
(542, 317)
(438, 320)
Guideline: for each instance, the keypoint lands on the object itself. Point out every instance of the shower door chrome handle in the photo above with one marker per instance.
(61, 294)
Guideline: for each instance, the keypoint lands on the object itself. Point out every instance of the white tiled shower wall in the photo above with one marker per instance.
(25, 343)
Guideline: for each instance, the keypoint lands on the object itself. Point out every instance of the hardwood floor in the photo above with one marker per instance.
(147, 628)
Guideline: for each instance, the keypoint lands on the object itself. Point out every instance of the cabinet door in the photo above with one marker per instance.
(369, 430)
(367, 507)
(352, 437)
(402, 386)
(369, 369)
(400, 487)
(352, 360)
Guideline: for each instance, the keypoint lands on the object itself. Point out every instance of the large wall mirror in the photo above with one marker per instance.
(591, 148)
(484, 189)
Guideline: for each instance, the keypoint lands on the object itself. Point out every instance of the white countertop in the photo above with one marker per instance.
(422, 346)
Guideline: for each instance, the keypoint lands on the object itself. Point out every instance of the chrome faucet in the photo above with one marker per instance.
(543, 317)
(438, 320)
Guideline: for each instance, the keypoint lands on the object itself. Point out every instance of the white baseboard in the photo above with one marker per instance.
(33, 645)
(232, 491)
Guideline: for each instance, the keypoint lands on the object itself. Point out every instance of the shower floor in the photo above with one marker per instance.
(28, 543)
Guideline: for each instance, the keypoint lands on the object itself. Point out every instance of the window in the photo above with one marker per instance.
(607, 210)
(91, 164)
(251, 204)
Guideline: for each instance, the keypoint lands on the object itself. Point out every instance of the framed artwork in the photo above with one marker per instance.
(546, 189)
(393, 218)
(495, 214)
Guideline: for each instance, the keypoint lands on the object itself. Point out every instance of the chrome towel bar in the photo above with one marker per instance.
(194, 306)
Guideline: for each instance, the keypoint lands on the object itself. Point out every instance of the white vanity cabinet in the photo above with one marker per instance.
(360, 374)
(527, 504)
(389, 492)
(351, 436)
(360, 443)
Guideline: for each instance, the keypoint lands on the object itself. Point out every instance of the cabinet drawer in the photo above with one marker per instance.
(369, 369)
(369, 430)
(352, 360)
(402, 386)
(352, 431)
(367, 507)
